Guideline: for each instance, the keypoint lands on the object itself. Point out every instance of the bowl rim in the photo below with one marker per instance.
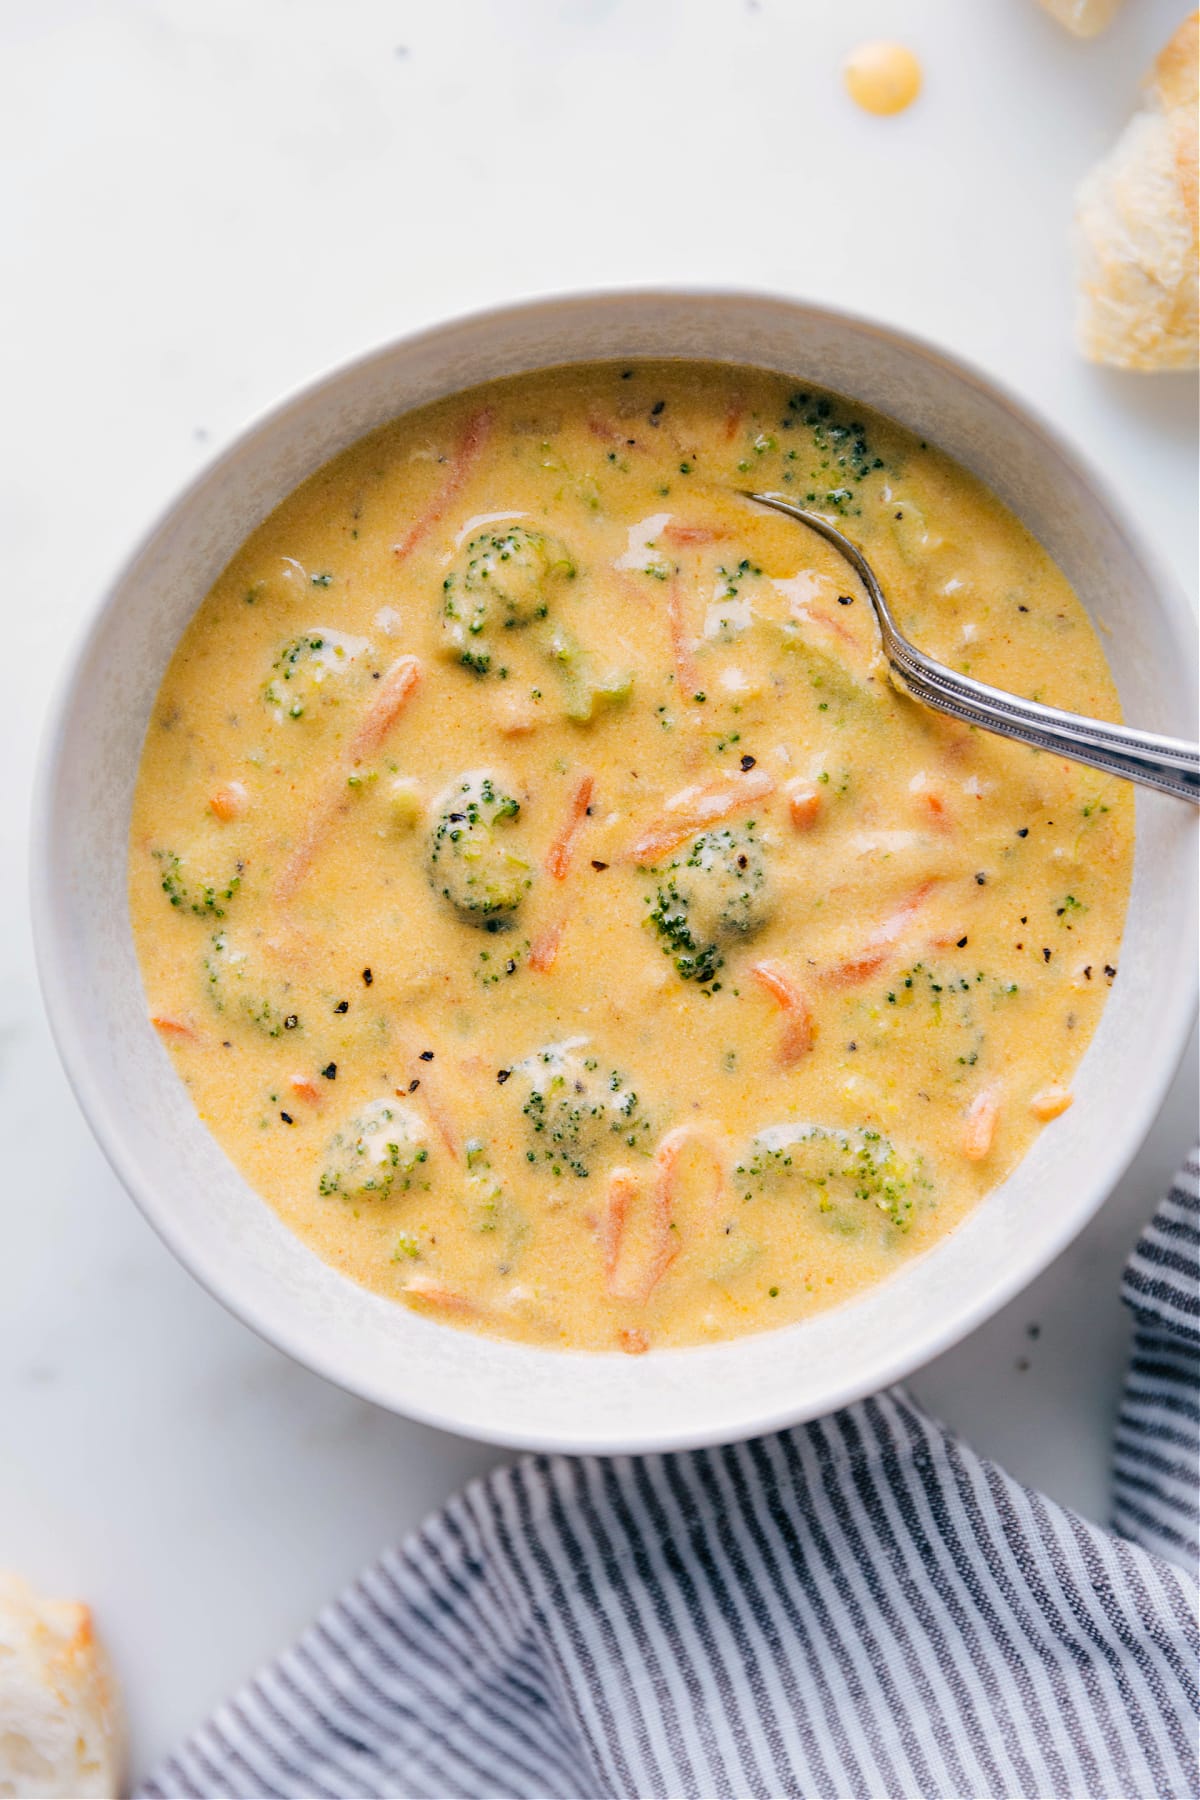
(68, 1022)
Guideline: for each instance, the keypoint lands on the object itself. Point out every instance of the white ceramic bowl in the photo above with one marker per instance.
(234, 1243)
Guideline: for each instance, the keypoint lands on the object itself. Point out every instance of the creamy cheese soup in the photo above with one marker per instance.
(548, 902)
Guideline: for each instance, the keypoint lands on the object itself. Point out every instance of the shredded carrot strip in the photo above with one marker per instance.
(387, 703)
(1050, 1102)
(558, 857)
(666, 1159)
(611, 431)
(860, 968)
(879, 944)
(466, 453)
(398, 685)
(304, 1089)
(696, 809)
(434, 1105)
(427, 1292)
(543, 951)
(804, 804)
(799, 1033)
(295, 869)
(174, 1028)
(670, 1149)
(733, 418)
(624, 1191)
(811, 615)
(932, 803)
(681, 535)
(228, 802)
(983, 1115)
(623, 1188)
(686, 677)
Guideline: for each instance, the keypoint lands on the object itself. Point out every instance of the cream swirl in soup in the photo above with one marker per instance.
(552, 908)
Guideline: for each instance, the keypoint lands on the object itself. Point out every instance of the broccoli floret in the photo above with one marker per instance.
(487, 1208)
(845, 1171)
(710, 897)
(573, 1108)
(237, 981)
(381, 1148)
(504, 581)
(191, 893)
(470, 863)
(304, 667)
(587, 690)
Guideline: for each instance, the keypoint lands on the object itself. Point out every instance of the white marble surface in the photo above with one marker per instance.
(205, 201)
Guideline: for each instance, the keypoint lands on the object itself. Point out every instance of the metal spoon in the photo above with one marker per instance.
(1168, 764)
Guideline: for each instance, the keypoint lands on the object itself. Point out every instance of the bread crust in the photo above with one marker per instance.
(61, 1728)
(1176, 75)
(1085, 18)
(1136, 226)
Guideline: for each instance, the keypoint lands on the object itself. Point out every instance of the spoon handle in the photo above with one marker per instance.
(1168, 764)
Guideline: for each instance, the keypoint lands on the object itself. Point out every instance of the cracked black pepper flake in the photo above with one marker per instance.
(845, 599)
(427, 1056)
(287, 1118)
(368, 978)
(599, 865)
(1109, 971)
(414, 1084)
(962, 943)
(1087, 973)
(1023, 831)
(748, 762)
(981, 879)
(502, 1075)
(1045, 954)
(330, 1071)
(342, 1006)
(291, 1022)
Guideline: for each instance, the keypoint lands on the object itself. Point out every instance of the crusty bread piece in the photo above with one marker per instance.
(1136, 226)
(1086, 18)
(60, 1724)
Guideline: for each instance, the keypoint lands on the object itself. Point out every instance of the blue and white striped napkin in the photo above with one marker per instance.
(861, 1607)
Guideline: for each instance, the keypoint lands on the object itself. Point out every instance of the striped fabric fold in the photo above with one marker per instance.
(858, 1607)
(1156, 1502)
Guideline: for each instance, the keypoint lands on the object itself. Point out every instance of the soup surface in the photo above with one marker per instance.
(551, 906)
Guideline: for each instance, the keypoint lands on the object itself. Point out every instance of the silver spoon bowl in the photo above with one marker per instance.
(1168, 764)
